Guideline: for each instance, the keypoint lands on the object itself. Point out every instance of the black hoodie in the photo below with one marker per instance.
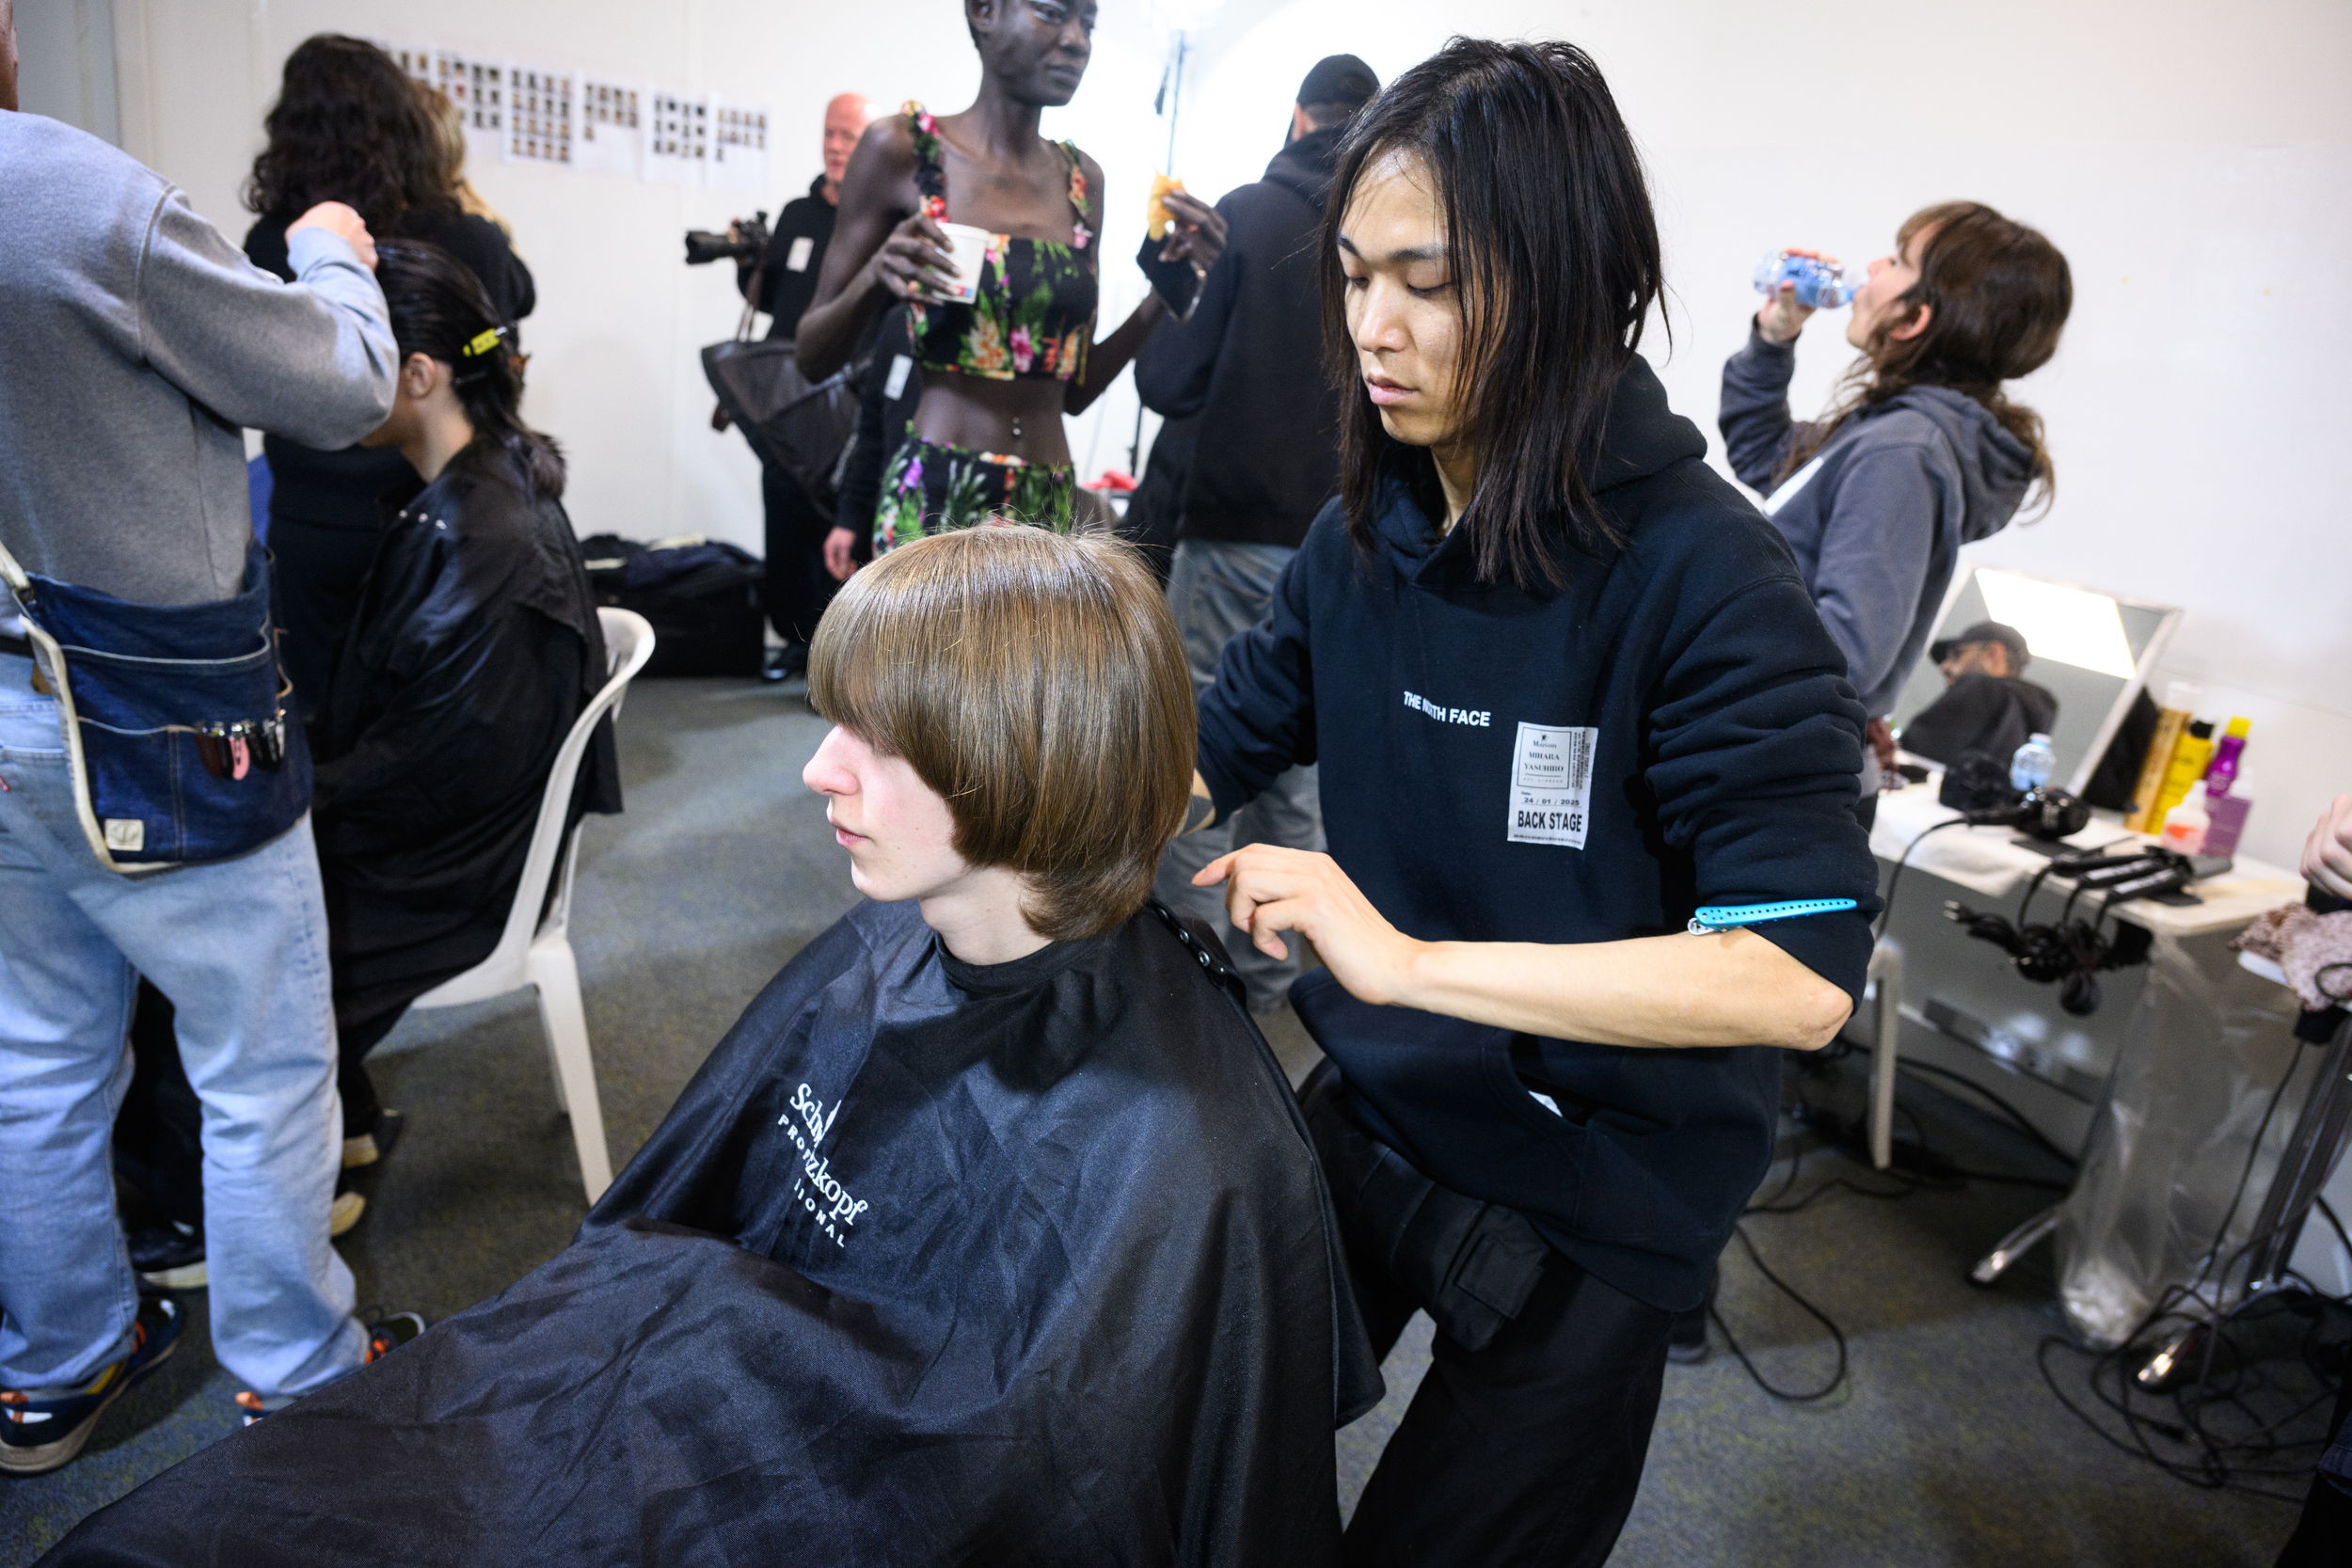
(1249, 362)
(1673, 729)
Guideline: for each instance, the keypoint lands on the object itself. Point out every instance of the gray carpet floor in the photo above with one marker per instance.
(1944, 1447)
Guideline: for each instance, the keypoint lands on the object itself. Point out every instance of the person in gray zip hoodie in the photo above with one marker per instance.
(1923, 454)
(135, 343)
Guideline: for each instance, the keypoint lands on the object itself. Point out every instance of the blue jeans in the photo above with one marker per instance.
(1219, 590)
(239, 947)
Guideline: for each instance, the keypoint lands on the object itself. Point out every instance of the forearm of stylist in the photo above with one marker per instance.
(1733, 988)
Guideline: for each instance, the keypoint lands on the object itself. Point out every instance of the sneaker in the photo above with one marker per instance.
(169, 1255)
(368, 1148)
(1686, 1342)
(42, 1429)
(783, 664)
(384, 1335)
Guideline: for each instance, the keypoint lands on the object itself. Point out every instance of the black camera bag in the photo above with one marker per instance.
(806, 428)
(703, 600)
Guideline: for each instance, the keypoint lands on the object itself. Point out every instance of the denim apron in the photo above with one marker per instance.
(173, 717)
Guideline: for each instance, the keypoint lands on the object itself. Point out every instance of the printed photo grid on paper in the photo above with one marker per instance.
(678, 144)
(739, 147)
(528, 113)
(612, 138)
(539, 116)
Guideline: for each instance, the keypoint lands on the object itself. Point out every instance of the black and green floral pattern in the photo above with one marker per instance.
(1033, 311)
(931, 487)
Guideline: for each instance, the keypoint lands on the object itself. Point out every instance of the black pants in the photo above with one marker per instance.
(2327, 1522)
(797, 588)
(316, 571)
(1527, 1452)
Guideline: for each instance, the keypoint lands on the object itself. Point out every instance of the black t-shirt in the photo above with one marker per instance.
(796, 253)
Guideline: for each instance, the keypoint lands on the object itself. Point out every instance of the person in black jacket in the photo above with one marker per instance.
(800, 584)
(1247, 366)
(350, 126)
(885, 410)
(473, 649)
(1589, 763)
(1987, 705)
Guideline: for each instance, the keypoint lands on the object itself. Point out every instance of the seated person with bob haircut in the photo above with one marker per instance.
(991, 1233)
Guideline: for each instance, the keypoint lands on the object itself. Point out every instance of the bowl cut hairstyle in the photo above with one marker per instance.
(1552, 249)
(1036, 682)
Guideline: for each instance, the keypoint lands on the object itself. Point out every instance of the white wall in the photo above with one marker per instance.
(2193, 160)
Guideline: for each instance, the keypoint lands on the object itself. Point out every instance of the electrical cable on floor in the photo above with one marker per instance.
(1942, 1174)
(2011, 1113)
(2234, 1461)
(1714, 1315)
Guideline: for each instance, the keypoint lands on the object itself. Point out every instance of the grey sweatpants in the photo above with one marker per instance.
(1219, 590)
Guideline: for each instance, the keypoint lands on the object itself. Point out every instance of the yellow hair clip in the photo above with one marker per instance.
(484, 341)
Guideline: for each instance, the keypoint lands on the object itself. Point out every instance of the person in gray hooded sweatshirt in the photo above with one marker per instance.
(1922, 454)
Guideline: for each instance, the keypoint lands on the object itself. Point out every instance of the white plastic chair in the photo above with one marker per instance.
(537, 953)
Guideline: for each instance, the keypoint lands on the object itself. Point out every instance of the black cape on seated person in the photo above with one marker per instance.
(474, 649)
(1993, 713)
(929, 1264)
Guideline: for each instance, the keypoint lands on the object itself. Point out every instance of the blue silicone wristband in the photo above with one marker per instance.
(1724, 917)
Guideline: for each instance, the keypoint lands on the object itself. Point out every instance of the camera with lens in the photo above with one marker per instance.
(747, 242)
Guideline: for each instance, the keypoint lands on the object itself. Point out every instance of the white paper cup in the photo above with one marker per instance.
(969, 247)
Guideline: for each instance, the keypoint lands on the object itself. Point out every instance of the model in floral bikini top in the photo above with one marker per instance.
(1033, 313)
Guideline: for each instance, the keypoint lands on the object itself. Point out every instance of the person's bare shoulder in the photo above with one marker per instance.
(886, 148)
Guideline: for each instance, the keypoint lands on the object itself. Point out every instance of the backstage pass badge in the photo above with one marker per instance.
(1551, 785)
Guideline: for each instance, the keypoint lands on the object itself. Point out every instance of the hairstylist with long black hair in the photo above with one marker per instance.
(1566, 688)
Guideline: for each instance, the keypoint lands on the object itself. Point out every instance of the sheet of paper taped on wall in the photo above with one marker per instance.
(539, 116)
(556, 118)
(739, 147)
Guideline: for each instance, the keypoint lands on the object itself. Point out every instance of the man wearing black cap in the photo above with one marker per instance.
(1246, 367)
(1986, 707)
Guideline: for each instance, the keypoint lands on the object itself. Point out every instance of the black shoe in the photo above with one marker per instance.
(384, 1335)
(1686, 1342)
(784, 663)
(169, 1256)
(42, 1429)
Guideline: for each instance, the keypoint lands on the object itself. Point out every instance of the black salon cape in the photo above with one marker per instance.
(928, 1265)
(474, 649)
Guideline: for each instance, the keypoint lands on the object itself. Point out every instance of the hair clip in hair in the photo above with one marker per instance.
(482, 343)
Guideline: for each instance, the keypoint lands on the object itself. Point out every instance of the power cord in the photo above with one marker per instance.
(1918, 1168)
(1887, 911)
(2240, 1460)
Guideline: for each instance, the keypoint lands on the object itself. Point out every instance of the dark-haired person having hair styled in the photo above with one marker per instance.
(1924, 452)
(473, 647)
(1588, 762)
(989, 1235)
(350, 126)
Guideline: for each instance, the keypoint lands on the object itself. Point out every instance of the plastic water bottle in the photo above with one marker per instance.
(1821, 285)
(2032, 763)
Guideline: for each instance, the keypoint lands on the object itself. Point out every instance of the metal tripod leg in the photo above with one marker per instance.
(2015, 1245)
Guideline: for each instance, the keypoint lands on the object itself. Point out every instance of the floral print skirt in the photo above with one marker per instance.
(931, 487)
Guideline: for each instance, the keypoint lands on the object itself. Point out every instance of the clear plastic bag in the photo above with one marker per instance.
(2205, 1050)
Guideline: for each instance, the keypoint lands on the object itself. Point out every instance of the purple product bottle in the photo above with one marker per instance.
(2223, 771)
